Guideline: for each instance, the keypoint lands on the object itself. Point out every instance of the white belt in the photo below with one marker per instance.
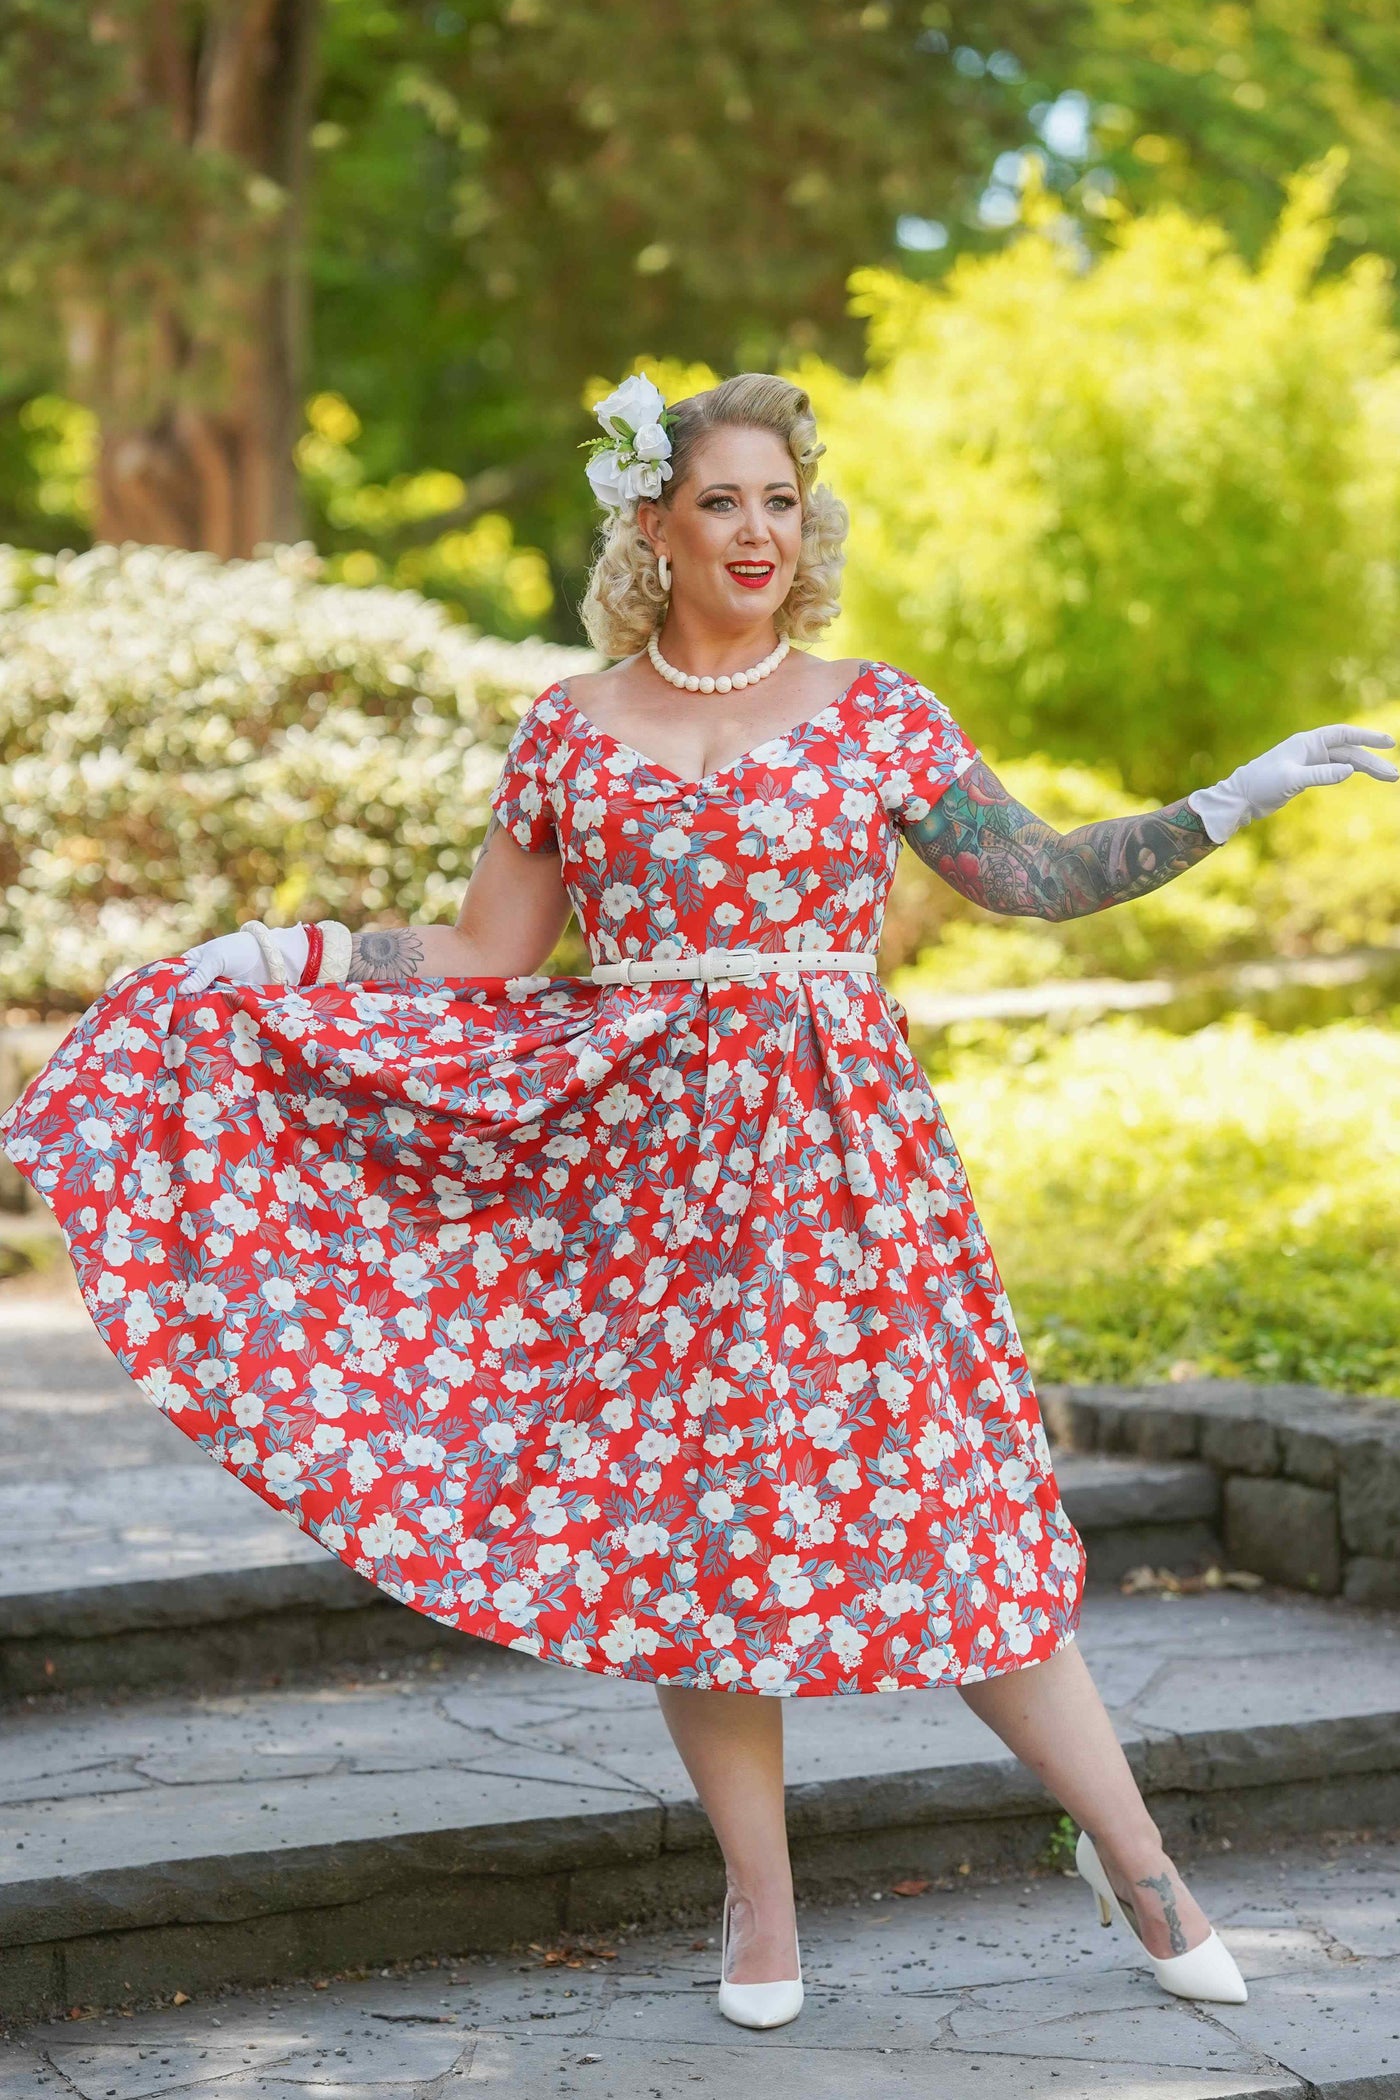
(721, 965)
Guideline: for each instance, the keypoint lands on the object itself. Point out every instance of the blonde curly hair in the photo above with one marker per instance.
(624, 602)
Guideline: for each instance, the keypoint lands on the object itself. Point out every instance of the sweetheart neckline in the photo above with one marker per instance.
(796, 733)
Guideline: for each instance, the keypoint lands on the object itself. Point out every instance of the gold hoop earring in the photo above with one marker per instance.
(663, 571)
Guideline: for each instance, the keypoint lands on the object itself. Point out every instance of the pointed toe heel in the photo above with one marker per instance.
(761, 2004)
(757, 2004)
(1208, 1971)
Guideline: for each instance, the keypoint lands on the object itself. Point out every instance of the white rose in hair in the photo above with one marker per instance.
(645, 477)
(606, 479)
(638, 402)
(651, 442)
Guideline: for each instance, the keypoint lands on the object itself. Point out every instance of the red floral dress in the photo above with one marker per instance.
(648, 1329)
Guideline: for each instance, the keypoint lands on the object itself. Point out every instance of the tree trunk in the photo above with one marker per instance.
(198, 418)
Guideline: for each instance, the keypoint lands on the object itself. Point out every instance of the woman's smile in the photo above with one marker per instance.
(753, 575)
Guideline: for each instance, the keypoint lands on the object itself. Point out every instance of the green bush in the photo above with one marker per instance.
(1321, 1314)
(184, 744)
(1223, 1202)
(1143, 513)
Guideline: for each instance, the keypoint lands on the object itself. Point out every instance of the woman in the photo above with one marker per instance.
(644, 1322)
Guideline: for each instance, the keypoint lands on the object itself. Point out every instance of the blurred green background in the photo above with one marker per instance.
(301, 310)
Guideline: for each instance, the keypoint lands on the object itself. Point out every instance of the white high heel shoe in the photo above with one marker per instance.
(1207, 1971)
(756, 2004)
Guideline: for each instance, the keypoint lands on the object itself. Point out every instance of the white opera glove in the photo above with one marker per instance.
(239, 957)
(1309, 758)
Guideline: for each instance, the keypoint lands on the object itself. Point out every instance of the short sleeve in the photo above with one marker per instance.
(926, 749)
(520, 797)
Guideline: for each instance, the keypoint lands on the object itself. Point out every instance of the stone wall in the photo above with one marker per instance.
(1309, 1479)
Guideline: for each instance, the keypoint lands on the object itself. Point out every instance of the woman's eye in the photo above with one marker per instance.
(727, 502)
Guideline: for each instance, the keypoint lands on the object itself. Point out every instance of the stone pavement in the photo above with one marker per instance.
(1189, 1679)
(66, 1405)
(297, 1814)
(951, 1993)
(101, 1559)
(182, 1516)
(291, 1810)
(268, 1830)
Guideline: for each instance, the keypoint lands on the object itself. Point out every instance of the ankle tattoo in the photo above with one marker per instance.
(1160, 1884)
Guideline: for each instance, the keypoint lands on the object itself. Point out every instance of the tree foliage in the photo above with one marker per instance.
(547, 201)
(1146, 512)
(1214, 106)
(151, 169)
(513, 198)
(525, 196)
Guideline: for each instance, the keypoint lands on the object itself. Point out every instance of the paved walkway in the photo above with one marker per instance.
(175, 1539)
(1202, 1688)
(66, 1405)
(143, 1805)
(948, 1994)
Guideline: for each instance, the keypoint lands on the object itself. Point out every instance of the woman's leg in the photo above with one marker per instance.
(1051, 1715)
(731, 1744)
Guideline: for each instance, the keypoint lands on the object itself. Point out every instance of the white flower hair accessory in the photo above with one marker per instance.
(634, 458)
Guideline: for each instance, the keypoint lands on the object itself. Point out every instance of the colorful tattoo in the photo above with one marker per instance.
(385, 954)
(992, 849)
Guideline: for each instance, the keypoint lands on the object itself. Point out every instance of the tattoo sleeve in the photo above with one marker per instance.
(992, 849)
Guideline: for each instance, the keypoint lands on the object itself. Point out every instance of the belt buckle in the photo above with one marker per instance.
(723, 964)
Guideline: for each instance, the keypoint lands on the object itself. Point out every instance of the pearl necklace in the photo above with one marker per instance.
(735, 682)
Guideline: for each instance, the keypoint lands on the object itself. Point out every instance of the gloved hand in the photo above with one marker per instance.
(238, 957)
(1310, 758)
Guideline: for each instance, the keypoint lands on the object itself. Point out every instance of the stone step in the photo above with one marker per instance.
(1131, 1511)
(940, 1989)
(178, 1574)
(462, 1803)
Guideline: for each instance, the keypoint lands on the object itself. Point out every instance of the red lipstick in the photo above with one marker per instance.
(753, 575)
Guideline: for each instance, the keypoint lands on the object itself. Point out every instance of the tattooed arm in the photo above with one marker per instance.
(393, 954)
(992, 849)
(513, 912)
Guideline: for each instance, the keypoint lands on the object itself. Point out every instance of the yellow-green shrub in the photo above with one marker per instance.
(1227, 1199)
(382, 533)
(1144, 513)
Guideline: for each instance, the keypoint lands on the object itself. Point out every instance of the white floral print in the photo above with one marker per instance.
(647, 1329)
